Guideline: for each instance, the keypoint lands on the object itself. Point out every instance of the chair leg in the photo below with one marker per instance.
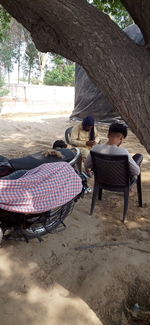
(94, 197)
(100, 194)
(126, 200)
(139, 190)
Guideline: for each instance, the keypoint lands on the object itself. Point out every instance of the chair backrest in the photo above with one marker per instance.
(110, 171)
(76, 161)
(68, 134)
(77, 156)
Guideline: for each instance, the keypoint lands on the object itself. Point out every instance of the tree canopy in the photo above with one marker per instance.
(17, 48)
(62, 74)
(116, 10)
(80, 32)
(4, 23)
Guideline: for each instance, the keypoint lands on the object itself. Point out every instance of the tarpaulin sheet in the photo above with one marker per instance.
(89, 100)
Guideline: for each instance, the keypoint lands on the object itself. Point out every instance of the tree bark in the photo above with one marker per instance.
(140, 12)
(80, 32)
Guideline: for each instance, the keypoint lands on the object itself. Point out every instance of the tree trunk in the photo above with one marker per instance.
(140, 12)
(42, 62)
(18, 77)
(19, 55)
(80, 32)
(0, 71)
(8, 75)
(29, 75)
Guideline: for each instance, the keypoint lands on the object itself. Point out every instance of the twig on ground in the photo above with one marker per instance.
(101, 245)
(139, 249)
(84, 247)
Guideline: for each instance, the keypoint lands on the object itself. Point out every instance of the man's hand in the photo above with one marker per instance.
(90, 143)
(89, 172)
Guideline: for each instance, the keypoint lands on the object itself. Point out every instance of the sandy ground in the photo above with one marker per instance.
(53, 283)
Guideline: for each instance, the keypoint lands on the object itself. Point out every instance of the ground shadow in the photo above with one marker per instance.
(34, 274)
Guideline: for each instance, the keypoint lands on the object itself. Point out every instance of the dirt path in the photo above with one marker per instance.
(52, 282)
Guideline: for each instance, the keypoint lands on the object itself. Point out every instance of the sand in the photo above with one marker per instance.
(53, 283)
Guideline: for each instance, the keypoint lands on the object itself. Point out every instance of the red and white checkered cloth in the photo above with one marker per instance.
(40, 189)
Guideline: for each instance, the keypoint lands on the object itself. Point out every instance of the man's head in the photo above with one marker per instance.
(117, 132)
(59, 144)
(88, 123)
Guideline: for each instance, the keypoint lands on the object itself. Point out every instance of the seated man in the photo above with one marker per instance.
(58, 153)
(117, 132)
(85, 135)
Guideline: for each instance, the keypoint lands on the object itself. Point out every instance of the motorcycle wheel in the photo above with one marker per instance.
(53, 219)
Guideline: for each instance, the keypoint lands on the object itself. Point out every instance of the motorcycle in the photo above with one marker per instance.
(22, 226)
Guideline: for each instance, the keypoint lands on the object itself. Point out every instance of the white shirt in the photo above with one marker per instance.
(113, 150)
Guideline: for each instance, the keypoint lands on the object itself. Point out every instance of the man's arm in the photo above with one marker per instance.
(134, 168)
(74, 139)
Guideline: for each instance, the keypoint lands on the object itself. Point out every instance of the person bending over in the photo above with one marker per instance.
(59, 152)
(117, 132)
(59, 146)
(85, 135)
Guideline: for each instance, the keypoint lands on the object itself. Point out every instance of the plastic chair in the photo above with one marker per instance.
(68, 134)
(111, 172)
(76, 161)
(67, 138)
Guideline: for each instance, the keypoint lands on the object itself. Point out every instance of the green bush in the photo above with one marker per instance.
(3, 91)
(35, 81)
(1, 82)
(62, 75)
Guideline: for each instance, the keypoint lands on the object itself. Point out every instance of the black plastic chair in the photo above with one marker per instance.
(111, 172)
(68, 134)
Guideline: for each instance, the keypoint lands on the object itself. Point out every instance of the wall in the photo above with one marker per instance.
(37, 99)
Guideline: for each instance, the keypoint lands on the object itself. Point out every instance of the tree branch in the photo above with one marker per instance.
(80, 32)
(140, 12)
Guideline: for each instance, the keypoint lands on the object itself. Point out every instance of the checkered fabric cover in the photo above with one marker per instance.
(40, 189)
